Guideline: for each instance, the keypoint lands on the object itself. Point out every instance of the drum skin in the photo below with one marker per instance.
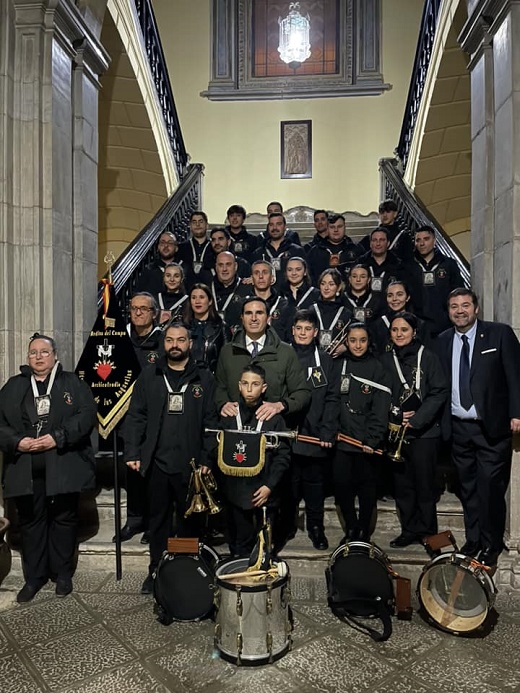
(253, 621)
(184, 584)
(362, 570)
(456, 593)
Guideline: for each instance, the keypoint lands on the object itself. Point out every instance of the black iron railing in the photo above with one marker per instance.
(174, 216)
(413, 214)
(161, 79)
(418, 79)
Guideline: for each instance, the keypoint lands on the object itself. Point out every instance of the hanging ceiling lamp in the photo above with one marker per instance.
(294, 45)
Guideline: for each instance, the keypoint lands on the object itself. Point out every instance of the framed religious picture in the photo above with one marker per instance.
(296, 149)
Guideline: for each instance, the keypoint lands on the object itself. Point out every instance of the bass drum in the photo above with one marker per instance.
(253, 621)
(183, 585)
(456, 592)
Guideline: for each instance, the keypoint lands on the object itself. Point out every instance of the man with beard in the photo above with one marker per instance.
(152, 279)
(277, 249)
(220, 242)
(171, 405)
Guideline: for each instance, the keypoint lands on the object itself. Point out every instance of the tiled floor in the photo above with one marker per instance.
(105, 638)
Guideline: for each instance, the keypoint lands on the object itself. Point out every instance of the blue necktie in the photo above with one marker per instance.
(254, 350)
(466, 399)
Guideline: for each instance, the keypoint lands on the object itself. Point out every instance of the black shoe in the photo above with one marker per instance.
(128, 532)
(147, 586)
(488, 557)
(28, 592)
(470, 548)
(318, 538)
(364, 535)
(403, 540)
(145, 539)
(63, 587)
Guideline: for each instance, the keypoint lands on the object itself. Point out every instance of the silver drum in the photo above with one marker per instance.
(253, 620)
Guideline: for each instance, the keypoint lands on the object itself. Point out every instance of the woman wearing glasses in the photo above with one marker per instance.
(46, 418)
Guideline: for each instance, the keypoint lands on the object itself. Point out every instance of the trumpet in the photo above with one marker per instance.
(337, 341)
(396, 434)
(201, 488)
(271, 437)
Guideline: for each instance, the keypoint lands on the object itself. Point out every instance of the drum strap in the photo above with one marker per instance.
(342, 610)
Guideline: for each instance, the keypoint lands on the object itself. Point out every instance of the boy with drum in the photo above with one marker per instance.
(251, 463)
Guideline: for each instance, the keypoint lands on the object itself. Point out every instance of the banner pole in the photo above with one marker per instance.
(117, 509)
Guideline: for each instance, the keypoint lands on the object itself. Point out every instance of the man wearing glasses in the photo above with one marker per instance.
(147, 340)
(46, 418)
(146, 336)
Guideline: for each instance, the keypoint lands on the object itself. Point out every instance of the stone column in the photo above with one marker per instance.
(492, 37)
(49, 63)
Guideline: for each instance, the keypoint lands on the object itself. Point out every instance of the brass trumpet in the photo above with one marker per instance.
(396, 434)
(271, 437)
(201, 487)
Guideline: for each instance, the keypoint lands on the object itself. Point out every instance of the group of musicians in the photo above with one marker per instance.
(367, 360)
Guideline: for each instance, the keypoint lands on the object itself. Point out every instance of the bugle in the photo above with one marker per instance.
(337, 341)
(271, 437)
(201, 488)
(396, 434)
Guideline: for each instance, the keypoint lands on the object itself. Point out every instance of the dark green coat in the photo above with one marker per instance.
(286, 380)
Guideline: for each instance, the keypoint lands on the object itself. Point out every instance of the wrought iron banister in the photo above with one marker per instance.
(161, 79)
(413, 214)
(418, 78)
(174, 216)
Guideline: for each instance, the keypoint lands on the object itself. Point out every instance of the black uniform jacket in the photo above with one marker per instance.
(494, 376)
(433, 389)
(69, 467)
(148, 407)
(208, 339)
(430, 300)
(364, 409)
(239, 490)
(320, 418)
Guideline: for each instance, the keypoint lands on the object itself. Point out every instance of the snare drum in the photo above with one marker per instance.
(253, 621)
(183, 585)
(361, 571)
(456, 592)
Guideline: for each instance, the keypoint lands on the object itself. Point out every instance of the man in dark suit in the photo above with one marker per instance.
(482, 360)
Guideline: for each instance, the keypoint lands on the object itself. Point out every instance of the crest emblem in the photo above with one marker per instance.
(441, 273)
(152, 356)
(197, 391)
(366, 389)
(104, 366)
(240, 453)
(67, 397)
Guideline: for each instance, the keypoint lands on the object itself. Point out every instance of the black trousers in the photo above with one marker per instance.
(48, 527)
(354, 474)
(243, 527)
(415, 488)
(136, 500)
(483, 465)
(308, 483)
(166, 495)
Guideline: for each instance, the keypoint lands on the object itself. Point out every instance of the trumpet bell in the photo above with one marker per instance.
(197, 505)
(396, 433)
